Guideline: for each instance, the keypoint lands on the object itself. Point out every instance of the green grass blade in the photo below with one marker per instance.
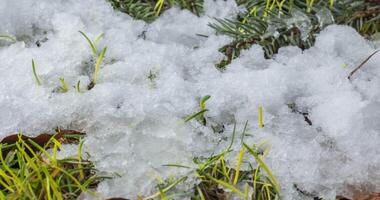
(189, 118)
(240, 159)
(8, 38)
(233, 137)
(244, 132)
(203, 102)
(226, 185)
(92, 46)
(98, 38)
(177, 165)
(162, 194)
(78, 86)
(97, 66)
(169, 187)
(200, 193)
(246, 191)
(41, 149)
(265, 167)
(81, 173)
(35, 73)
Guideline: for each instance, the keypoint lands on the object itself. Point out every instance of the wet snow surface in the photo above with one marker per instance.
(135, 125)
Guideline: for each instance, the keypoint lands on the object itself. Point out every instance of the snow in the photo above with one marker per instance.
(135, 125)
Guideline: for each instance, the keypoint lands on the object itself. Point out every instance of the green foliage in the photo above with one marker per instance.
(271, 24)
(166, 185)
(276, 23)
(97, 65)
(158, 7)
(149, 10)
(216, 172)
(143, 10)
(194, 6)
(218, 178)
(98, 58)
(29, 171)
(363, 15)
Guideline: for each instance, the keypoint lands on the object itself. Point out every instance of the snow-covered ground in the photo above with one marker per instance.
(135, 125)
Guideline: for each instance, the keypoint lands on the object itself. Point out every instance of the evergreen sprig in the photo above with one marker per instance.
(149, 10)
(269, 23)
(276, 23)
(143, 10)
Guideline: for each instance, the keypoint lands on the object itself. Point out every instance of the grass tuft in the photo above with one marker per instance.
(30, 171)
(217, 179)
(98, 58)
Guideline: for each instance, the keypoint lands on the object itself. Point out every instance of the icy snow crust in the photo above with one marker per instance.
(134, 125)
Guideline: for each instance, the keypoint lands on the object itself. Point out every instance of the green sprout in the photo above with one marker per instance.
(152, 75)
(255, 22)
(78, 86)
(35, 73)
(271, 178)
(63, 86)
(92, 44)
(202, 105)
(261, 117)
(97, 65)
(199, 116)
(97, 57)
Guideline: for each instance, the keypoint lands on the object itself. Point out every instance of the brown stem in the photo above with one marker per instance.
(361, 64)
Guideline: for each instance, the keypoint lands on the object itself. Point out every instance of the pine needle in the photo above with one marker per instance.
(362, 64)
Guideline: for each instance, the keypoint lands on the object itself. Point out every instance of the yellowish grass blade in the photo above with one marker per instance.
(97, 65)
(265, 167)
(226, 185)
(240, 159)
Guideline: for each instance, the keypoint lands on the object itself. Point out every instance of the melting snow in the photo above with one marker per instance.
(134, 124)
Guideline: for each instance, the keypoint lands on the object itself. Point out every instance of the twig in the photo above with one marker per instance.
(361, 64)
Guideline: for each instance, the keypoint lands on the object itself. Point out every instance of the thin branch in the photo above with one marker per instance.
(362, 64)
